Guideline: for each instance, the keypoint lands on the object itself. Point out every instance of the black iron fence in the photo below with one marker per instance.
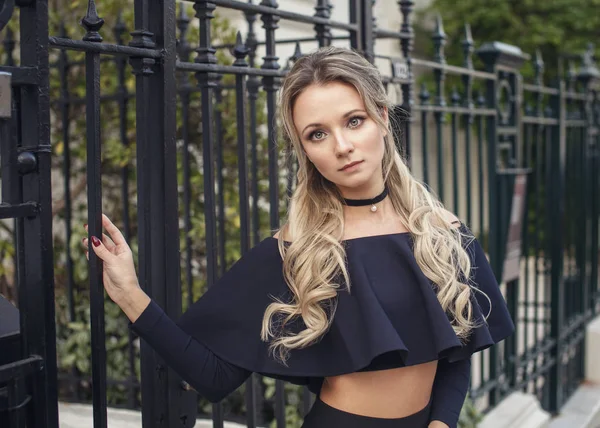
(163, 118)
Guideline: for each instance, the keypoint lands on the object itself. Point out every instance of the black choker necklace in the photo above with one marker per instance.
(365, 202)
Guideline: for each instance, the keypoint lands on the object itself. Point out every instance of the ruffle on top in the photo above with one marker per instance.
(390, 318)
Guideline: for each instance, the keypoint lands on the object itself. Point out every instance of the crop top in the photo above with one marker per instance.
(390, 318)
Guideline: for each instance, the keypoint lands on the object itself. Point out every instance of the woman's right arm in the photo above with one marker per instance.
(209, 375)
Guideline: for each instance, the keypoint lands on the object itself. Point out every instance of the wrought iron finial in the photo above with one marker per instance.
(323, 10)
(297, 52)
(62, 30)
(538, 65)
(589, 70)
(295, 56)
(406, 7)
(240, 51)
(588, 56)
(424, 95)
(374, 18)
(467, 44)
(119, 28)
(183, 20)
(183, 23)
(455, 96)
(269, 3)
(270, 24)
(9, 47)
(480, 99)
(92, 23)
(571, 75)
(439, 40)
(251, 40)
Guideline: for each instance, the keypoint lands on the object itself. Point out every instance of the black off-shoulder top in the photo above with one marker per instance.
(391, 312)
(390, 318)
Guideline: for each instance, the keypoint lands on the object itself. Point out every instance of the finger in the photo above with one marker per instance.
(87, 255)
(101, 250)
(108, 242)
(113, 231)
(85, 242)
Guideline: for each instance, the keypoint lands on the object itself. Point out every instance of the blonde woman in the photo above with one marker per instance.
(371, 293)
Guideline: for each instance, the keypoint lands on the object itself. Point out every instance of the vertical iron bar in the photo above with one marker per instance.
(207, 82)
(271, 85)
(406, 43)
(184, 94)
(467, 44)
(63, 70)
(36, 282)
(253, 85)
(454, 126)
(123, 103)
(424, 96)
(218, 145)
(480, 174)
(92, 23)
(368, 35)
(240, 51)
(439, 40)
(323, 10)
(556, 185)
(164, 402)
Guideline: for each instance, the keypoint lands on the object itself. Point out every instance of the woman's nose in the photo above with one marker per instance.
(343, 146)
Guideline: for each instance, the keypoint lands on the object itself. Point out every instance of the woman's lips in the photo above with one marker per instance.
(351, 166)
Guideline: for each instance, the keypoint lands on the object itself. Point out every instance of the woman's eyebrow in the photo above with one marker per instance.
(348, 113)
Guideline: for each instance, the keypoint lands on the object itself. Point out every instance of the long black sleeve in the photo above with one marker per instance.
(450, 390)
(210, 376)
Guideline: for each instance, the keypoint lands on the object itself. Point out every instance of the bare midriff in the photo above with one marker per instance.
(393, 393)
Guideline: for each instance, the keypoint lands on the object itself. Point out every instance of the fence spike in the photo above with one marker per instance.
(9, 46)
(183, 23)
(589, 70)
(439, 40)
(480, 99)
(119, 28)
(439, 28)
(269, 3)
(92, 23)
(62, 30)
(240, 51)
(455, 97)
(297, 52)
(424, 95)
(468, 47)
(538, 65)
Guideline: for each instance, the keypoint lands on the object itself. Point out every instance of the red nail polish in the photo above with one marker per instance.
(95, 241)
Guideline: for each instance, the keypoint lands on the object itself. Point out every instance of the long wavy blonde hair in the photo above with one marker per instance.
(311, 240)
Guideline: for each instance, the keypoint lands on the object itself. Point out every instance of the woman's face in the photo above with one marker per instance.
(344, 144)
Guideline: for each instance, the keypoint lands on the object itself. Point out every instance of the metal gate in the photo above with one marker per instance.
(28, 357)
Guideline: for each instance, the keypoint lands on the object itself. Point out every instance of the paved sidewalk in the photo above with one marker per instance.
(80, 416)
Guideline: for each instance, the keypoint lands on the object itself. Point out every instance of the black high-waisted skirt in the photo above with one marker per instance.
(322, 415)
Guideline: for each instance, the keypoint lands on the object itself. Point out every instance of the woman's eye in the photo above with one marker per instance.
(355, 121)
(317, 135)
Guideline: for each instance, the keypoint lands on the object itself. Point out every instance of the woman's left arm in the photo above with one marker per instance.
(449, 392)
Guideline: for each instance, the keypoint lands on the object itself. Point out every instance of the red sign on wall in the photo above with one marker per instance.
(511, 269)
